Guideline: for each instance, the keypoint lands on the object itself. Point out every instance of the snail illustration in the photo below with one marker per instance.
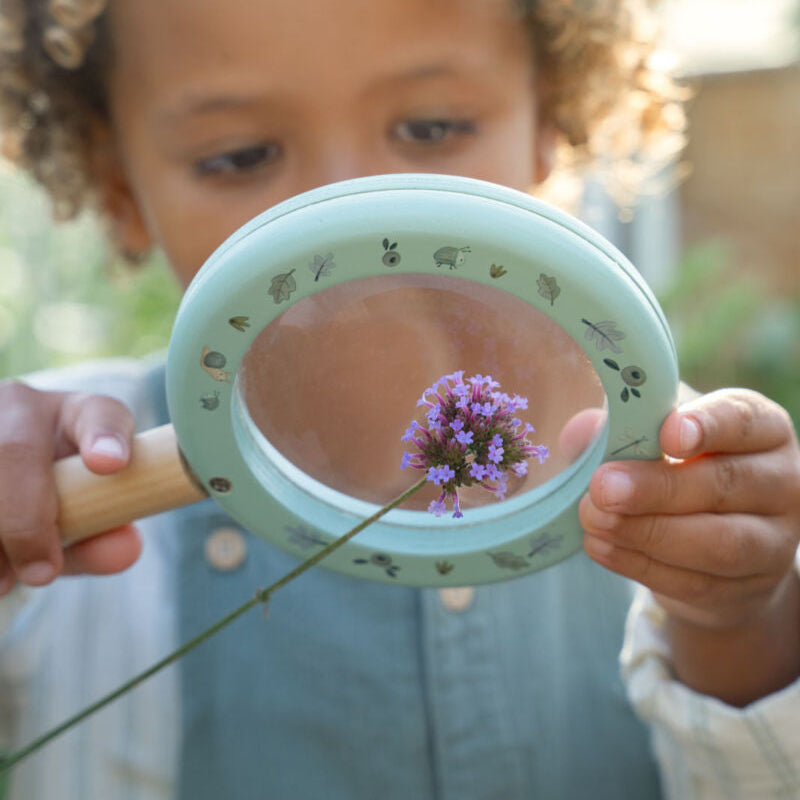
(452, 256)
(213, 362)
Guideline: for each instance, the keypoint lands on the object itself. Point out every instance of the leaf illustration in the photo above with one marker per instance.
(321, 267)
(609, 362)
(507, 560)
(240, 323)
(543, 543)
(624, 395)
(548, 287)
(631, 441)
(604, 334)
(497, 270)
(305, 538)
(385, 244)
(282, 286)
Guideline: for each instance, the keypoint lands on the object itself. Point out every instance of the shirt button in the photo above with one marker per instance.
(225, 549)
(457, 598)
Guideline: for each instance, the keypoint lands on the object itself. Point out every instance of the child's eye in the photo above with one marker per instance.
(432, 131)
(242, 160)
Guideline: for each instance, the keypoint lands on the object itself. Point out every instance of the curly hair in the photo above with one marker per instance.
(605, 96)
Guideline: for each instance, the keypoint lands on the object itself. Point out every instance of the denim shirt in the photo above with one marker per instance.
(354, 690)
(351, 690)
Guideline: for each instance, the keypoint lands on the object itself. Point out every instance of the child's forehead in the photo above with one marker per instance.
(289, 46)
(305, 30)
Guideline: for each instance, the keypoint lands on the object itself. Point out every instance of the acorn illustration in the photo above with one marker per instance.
(213, 362)
(633, 376)
(220, 485)
(452, 256)
(391, 257)
(380, 560)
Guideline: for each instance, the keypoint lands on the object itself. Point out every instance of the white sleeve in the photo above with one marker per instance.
(708, 750)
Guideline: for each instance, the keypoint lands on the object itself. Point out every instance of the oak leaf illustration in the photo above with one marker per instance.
(548, 287)
(282, 287)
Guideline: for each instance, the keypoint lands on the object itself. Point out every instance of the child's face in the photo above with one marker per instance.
(221, 110)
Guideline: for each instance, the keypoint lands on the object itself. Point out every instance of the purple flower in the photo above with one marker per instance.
(471, 438)
(410, 431)
(433, 414)
(465, 437)
(477, 471)
(437, 507)
(439, 475)
(541, 452)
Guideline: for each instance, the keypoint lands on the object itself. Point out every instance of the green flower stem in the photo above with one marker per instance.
(261, 596)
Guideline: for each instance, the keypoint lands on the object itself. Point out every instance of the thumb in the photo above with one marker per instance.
(100, 428)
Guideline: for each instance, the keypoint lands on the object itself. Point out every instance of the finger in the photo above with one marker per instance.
(104, 554)
(725, 545)
(699, 590)
(101, 428)
(28, 506)
(726, 421)
(580, 431)
(762, 483)
(7, 579)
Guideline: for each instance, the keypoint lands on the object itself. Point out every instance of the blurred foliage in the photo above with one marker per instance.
(64, 296)
(731, 331)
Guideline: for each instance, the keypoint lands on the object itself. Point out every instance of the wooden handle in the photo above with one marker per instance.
(154, 481)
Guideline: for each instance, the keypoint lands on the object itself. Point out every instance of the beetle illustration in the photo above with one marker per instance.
(452, 256)
(391, 257)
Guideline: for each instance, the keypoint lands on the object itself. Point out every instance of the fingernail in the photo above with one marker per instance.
(37, 573)
(108, 446)
(689, 434)
(616, 488)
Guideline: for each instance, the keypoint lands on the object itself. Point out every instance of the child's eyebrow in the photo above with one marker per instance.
(197, 104)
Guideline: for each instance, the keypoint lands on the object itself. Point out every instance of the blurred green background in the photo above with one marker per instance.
(64, 297)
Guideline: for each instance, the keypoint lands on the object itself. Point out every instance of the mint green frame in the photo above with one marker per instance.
(262, 269)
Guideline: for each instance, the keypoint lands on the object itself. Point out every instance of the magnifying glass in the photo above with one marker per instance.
(301, 348)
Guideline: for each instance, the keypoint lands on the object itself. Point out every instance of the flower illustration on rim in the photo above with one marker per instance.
(473, 437)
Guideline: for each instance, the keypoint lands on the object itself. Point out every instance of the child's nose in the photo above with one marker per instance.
(342, 158)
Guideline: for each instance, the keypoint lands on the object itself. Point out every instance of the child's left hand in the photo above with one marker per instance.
(713, 528)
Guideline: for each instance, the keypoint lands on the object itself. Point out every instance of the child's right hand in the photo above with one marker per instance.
(36, 428)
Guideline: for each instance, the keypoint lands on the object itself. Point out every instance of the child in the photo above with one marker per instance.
(182, 119)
